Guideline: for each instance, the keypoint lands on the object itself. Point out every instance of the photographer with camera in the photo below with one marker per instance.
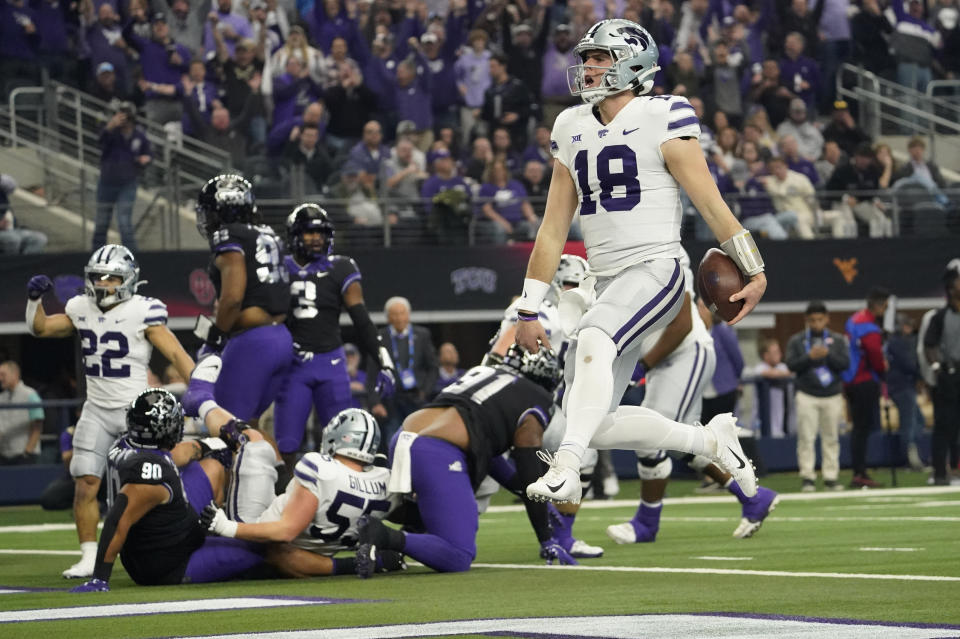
(817, 356)
(124, 151)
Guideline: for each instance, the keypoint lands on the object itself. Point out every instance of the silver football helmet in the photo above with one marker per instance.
(570, 272)
(353, 433)
(108, 261)
(634, 57)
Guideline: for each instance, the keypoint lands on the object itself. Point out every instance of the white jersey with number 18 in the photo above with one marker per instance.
(629, 203)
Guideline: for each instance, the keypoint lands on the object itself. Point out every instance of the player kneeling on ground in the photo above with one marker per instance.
(151, 524)
(317, 515)
(444, 452)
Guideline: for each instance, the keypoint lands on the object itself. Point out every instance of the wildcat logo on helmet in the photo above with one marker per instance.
(635, 36)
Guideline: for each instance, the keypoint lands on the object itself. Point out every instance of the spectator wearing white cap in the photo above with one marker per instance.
(14, 240)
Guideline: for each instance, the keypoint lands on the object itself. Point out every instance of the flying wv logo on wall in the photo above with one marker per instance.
(847, 268)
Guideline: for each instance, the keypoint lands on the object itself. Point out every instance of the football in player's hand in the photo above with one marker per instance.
(717, 279)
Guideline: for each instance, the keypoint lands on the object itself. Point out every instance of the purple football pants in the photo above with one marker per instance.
(321, 382)
(222, 558)
(254, 363)
(196, 485)
(448, 508)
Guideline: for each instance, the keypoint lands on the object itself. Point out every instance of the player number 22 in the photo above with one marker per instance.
(610, 178)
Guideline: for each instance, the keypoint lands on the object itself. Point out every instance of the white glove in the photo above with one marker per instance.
(215, 521)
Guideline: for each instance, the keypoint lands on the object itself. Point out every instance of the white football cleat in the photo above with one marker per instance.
(730, 455)
(622, 533)
(580, 549)
(80, 570)
(560, 484)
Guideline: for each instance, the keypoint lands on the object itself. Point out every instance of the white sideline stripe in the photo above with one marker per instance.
(725, 571)
(726, 499)
(711, 558)
(879, 549)
(11, 591)
(15, 551)
(790, 519)
(153, 608)
(35, 528)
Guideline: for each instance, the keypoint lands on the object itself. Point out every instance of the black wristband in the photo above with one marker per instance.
(527, 316)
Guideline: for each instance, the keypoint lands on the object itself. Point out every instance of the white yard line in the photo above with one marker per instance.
(724, 571)
(16, 551)
(879, 549)
(712, 558)
(726, 499)
(160, 607)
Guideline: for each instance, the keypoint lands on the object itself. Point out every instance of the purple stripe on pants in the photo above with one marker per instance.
(689, 388)
(649, 306)
(196, 485)
(254, 363)
(321, 382)
(447, 506)
(663, 311)
(222, 558)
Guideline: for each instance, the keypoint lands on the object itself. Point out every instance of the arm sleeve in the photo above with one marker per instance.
(529, 469)
(797, 360)
(366, 331)
(838, 359)
(872, 345)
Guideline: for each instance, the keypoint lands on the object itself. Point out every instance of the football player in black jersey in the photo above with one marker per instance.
(151, 524)
(444, 452)
(321, 286)
(252, 297)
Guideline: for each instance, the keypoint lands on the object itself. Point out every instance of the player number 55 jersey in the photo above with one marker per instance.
(344, 494)
(114, 346)
(629, 203)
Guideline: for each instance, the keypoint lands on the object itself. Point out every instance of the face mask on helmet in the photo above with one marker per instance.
(633, 61)
(570, 272)
(155, 420)
(541, 368)
(310, 232)
(352, 433)
(111, 276)
(225, 199)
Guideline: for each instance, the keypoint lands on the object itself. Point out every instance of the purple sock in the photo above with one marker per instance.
(734, 489)
(649, 515)
(561, 525)
(437, 553)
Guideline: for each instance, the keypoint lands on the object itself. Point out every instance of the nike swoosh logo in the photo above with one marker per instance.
(558, 486)
(625, 132)
(335, 361)
(739, 460)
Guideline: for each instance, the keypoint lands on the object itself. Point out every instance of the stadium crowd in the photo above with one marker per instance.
(430, 115)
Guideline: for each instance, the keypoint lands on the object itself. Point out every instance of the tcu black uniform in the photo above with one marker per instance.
(492, 403)
(255, 359)
(319, 283)
(159, 545)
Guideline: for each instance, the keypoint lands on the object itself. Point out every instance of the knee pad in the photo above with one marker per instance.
(699, 462)
(655, 467)
(252, 481)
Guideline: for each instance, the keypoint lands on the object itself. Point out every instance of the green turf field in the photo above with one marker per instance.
(891, 556)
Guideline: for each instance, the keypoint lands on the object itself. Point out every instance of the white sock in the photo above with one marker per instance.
(591, 391)
(89, 550)
(652, 504)
(638, 428)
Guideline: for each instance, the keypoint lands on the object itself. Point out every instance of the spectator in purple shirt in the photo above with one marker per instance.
(799, 73)
(124, 151)
(55, 31)
(331, 21)
(163, 62)
(472, 70)
(505, 211)
(105, 39)
(293, 90)
(440, 59)
(446, 198)
(369, 154)
(540, 149)
(725, 385)
(232, 26)
(412, 93)
(557, 58)
(19, 43)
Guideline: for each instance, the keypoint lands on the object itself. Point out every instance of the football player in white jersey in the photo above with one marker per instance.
(118, 330)
(317, 515)
(679, 360)
(621, 160)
